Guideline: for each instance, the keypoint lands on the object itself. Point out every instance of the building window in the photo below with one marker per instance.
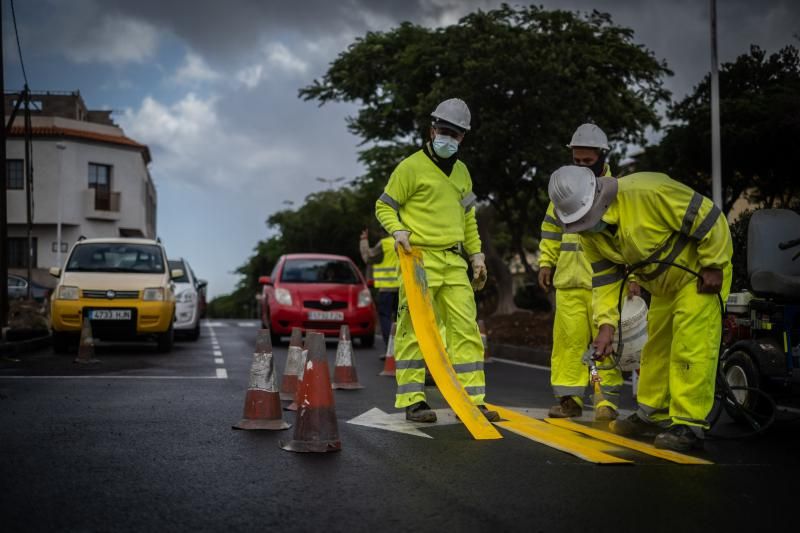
(18, 252)
(15, 174)
(100, 181)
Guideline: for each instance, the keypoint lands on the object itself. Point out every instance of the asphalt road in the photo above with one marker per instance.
(143, 442)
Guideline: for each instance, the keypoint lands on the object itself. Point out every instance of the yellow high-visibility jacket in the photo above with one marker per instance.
(437, 209)
(654, 217)
(387, 271)
(563, 251)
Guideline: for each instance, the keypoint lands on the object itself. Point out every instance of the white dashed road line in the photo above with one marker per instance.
(216, 350)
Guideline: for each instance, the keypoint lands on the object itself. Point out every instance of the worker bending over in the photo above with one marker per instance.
(429, 203)
(648, 216)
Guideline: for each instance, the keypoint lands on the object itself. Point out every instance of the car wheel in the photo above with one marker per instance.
(367, 341)
(166, 340)
(62, 342)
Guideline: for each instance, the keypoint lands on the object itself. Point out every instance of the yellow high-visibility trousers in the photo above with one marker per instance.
(679, 361)
(454, 304)
(573, 331)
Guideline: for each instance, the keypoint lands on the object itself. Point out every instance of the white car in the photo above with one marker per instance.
(187, 300)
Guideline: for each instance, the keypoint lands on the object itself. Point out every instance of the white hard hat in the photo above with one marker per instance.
(589, 136)
(453, 111)
(580, 199)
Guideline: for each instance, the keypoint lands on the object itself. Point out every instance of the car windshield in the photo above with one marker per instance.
(116, 257)
(174, 265)
(318, 271)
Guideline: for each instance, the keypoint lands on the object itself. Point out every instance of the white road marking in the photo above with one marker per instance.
(222, 373)
(217, 353)
(219, 361)
(247, 324)
(375, 418)
(216, 324)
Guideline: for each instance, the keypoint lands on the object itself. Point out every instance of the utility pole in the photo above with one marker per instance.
(3, 198)
(716, 151)
(29, 186)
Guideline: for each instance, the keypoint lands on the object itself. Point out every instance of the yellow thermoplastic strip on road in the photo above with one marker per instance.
(566, 441)
(636, 445)
(420, 307)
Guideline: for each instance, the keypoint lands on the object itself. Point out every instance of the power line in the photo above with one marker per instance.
(19, 47)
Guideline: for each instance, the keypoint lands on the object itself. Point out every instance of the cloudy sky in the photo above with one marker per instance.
(211, 87)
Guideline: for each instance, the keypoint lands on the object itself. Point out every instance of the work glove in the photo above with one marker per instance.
(401, 239)
(479, 273)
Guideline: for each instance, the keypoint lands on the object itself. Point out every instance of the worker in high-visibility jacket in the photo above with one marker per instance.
(573, 326)
(429, 204)
(386, 273)
(648, 216)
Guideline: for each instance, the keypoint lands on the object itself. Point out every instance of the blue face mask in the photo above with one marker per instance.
(444, 146)
(597, 228)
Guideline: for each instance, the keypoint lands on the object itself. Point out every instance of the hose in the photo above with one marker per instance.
(724, 391)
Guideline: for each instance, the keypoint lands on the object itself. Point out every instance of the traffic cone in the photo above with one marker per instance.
(294, 365)
(262, 403)
(388, 363)
(485, 340)
(303, 358)
(86, 346)
(344, 373)
(315, 428)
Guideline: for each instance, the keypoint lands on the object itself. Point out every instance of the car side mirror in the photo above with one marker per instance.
(55, 272)
(370, 283)
(202, 284)
(264, 280)
(176, 273)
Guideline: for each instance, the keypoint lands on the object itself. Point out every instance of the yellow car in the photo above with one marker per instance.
(122, 286)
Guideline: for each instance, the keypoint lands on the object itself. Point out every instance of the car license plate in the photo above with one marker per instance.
(110, 314)
(326, 315)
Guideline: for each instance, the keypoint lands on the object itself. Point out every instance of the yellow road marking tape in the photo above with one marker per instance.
(566, 441)
(642, 447)
(420, 307)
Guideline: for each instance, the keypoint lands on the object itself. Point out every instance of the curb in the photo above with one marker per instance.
(525, 354)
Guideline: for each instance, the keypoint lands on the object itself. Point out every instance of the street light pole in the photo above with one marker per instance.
(61, 147)
(716, 151)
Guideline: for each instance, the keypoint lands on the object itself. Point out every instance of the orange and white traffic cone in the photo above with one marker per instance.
(86, 346)
(485, 340)
(296, 401)
(294, 365)
(344, 373)
(388, 363)
(315, 428)
(262, 403)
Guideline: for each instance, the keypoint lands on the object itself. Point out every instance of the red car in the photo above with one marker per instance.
(318, 292)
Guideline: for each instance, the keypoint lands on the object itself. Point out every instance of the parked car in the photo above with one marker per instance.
(123, 286)
(318, 292)
(18, 289)
(187, 300)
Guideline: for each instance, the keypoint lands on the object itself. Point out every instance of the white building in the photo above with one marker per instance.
(83, 167)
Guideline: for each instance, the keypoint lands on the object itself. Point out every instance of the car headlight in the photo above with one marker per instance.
(186, 297)
(68, 293)
(364, 298)
(283, 296)
(155, 294)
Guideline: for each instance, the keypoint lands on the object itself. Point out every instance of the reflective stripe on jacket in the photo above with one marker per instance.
(654, 217)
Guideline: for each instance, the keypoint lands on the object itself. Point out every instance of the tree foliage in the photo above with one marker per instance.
(759, 126)
(529, 75)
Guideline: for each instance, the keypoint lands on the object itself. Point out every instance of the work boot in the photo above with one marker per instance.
(605, 413)
(567, 408)
(680, 438)
(491, 416)
(420, 412)
(634, 426)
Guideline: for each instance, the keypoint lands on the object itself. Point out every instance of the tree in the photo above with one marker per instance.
(530, 77)
(759, 126)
